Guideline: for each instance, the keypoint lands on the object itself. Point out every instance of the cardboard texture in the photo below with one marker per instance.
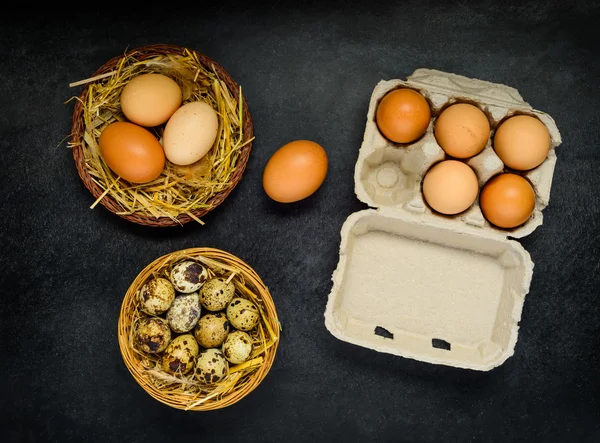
(414, 283)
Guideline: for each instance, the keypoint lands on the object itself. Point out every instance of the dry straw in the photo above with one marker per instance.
(180, 194)
(186, 392)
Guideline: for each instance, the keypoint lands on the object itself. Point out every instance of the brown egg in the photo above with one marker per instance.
(522, 142)
(462, 130)
(507, 200)
(450, 187)
(131, 152)
(150, 99)
(295, 171)
(403, 115)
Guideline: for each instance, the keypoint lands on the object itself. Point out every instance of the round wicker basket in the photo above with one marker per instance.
(78, 128)
(265, 352)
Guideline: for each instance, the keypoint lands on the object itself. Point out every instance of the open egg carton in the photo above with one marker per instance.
(418, 284)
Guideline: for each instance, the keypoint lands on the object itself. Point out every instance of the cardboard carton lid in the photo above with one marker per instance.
(428, 291)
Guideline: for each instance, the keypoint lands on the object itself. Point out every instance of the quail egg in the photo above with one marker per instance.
(184, 312)
(180, 355)
(188, 276)
(212, 329)
(211, 366)
(216, 293)
(242, 314)
(156, 296)
(237, 347)
(152, 335)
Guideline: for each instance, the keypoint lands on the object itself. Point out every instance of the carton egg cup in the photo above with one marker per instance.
(418, 284)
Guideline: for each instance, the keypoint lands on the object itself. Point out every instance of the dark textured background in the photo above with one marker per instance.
(307, 72)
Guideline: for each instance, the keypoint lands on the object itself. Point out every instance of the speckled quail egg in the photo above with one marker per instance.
(152, 335)
(184, 312)
(211, 366)
(216, 293)
(180, 356)
(237, 347)
(156, 296)
(188, 276)
(242, 314)
(212, 329)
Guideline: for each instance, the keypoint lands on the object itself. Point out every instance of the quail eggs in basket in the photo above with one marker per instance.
(194, 323)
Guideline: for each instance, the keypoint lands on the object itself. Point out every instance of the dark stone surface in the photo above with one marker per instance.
(307, 71)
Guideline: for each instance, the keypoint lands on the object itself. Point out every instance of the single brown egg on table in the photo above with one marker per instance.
(462, 130)
(507, 200)
(131, 152)
(295, 171)
(522, 142)
(150, 99)
(450, 187)
(403, 115)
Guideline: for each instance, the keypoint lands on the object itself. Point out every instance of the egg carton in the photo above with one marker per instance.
(418, 284)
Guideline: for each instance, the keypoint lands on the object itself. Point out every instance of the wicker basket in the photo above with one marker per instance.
(77, 134)
(134, 360)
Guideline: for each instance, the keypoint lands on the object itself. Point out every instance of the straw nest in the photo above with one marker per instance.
(181, 193)
(185, 391)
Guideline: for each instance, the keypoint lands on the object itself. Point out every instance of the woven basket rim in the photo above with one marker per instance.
(77, 130)
(172, 400)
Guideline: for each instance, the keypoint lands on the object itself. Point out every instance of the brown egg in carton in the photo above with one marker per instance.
(423, 285)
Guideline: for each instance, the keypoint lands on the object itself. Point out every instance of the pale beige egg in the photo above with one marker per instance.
(190, 133)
